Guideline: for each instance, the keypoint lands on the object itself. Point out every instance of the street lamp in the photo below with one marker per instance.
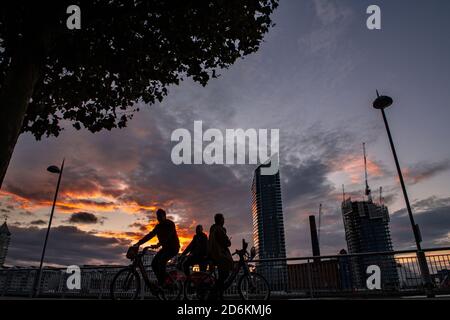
(381, 103)
(37, 282)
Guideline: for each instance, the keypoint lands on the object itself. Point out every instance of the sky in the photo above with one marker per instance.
(314, 78)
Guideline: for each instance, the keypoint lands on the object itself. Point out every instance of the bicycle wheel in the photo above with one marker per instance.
(253, 287)
(199, 286)
(126, 285)
(172, 288)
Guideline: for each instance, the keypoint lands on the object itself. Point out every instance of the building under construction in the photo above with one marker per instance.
(367, 230)
(5, 237)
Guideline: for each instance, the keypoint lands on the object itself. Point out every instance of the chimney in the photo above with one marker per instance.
(314, 238)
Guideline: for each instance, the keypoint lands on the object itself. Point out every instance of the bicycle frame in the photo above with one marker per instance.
(137, 264)
(242, 264)
(241, 269)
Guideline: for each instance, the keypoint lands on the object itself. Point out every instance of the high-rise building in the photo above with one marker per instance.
(5, 237)
(268, 227)
(367, 231)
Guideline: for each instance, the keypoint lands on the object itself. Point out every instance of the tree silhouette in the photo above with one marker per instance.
(125, 52)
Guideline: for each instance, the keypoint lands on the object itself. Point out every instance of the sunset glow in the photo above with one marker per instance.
(353, 167)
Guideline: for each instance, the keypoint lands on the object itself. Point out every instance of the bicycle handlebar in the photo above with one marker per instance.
(153, 246)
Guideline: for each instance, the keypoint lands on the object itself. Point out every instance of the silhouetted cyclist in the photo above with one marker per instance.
(218, 244)
(167, 236)
(197, 250)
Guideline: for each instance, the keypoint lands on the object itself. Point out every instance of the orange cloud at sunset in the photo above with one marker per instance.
(184, 234)
(353, 166)
(97, 201)
(16, 200)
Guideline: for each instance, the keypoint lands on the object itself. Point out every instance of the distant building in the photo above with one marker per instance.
(268, 227)
(5, 237)
(367, 230)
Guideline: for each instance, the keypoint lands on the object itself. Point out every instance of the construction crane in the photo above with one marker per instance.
(320, 216)
(368, 194)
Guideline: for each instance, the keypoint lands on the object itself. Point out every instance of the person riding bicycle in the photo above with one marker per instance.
(196, 252)
(218, 244)
(167, 236)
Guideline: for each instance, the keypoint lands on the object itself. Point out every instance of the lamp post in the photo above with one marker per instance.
(381, 103)
(37, 282)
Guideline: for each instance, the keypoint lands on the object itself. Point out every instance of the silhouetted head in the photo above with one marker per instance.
(199, 229)
(219, 219)
(160, 215)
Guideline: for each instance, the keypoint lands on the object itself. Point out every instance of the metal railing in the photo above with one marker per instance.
(347, 275)
(300, 277)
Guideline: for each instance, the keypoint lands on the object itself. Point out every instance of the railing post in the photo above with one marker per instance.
(6, 284)
(102, 283)
(30, 272)
(62, 284)
(308, 270)
(425, 273)
(38, 283)
(142, 288)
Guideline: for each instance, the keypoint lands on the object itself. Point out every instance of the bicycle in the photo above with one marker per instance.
(251, 285)
(126, 284)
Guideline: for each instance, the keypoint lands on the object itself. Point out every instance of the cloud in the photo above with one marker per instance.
(83, 218)
(67, 245)
(38, 222)
(330, 11)
(424, 171)
(140, 226)
(433, 216)
(332, 19)
(353, 166)
(308, 159)
(12, 205)
(431, 203)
